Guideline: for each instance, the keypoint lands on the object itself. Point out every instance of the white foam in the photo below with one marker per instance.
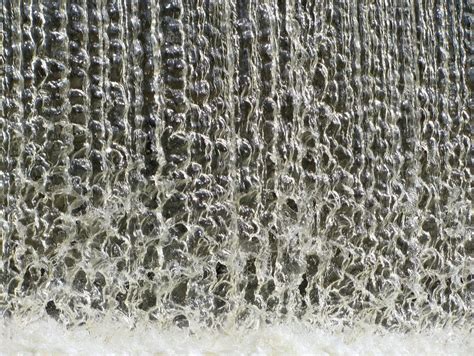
(47, 337)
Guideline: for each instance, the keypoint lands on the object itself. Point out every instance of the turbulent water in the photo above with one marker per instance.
(222, 163)
(98, 339)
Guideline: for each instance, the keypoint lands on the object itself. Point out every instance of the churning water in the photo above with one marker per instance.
(236, 166)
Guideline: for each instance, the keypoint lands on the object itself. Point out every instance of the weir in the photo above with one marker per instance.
(222, 163)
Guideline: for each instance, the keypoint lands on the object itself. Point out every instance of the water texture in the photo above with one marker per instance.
(218, 162)
(103, 338)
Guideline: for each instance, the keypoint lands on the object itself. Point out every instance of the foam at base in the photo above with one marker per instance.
(47, 337)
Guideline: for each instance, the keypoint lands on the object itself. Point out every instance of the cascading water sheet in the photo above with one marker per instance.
(222, 164)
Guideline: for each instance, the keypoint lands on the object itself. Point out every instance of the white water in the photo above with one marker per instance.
(216, 164)
(47, 337)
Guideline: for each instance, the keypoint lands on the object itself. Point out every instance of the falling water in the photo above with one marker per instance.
(221, 163)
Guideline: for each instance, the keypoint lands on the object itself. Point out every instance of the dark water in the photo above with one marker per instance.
(237, 162)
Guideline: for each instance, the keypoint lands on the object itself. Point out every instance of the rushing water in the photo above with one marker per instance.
(47, 337)
(222, 163)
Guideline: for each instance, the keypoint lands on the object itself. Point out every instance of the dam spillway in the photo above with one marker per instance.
(212, 163)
